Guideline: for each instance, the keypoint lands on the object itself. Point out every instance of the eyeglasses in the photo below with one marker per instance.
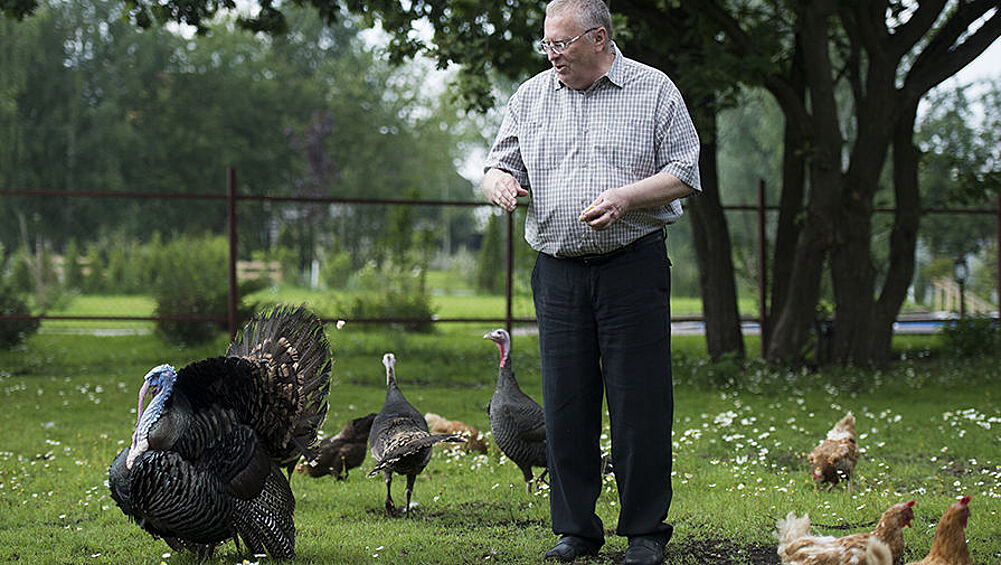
(558, 47)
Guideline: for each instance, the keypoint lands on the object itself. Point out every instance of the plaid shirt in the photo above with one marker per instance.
(568, 146)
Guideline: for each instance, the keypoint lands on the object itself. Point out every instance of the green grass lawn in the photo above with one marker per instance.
(929, 428)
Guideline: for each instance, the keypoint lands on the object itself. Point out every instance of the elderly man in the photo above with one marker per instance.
(607, 148)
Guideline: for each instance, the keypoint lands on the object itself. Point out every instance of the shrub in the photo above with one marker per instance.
(194, 282)
(73, 278)
(395, 304)
(336, 269)
(13, 332)
(94, 280)
(490, 271)
(391, 290)
(971, 337)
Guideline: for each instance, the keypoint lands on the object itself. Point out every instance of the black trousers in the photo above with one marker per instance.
(604, 329)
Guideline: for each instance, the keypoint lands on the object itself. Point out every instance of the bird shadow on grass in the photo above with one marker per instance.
(473, 514)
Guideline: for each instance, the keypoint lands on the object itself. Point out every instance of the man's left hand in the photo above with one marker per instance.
(607, 209)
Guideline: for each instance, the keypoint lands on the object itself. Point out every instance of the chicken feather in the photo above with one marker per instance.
(949, 546)
(834, 459)
(882, 546)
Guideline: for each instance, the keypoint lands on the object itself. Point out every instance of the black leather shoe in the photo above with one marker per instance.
(644, 551)
(571, 548)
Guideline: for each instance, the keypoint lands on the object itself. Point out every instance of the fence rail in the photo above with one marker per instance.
(239, 269)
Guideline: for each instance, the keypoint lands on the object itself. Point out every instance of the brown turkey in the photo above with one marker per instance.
(346, 450)
(399, 439)
(206, 459)
(475, 441)
(516, 421)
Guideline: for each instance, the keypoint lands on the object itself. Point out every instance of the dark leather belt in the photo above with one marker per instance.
(627, 248)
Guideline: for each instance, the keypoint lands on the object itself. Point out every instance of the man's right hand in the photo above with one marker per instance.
(502, 189)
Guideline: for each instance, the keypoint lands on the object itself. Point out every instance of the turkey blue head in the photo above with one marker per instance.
(159, 382)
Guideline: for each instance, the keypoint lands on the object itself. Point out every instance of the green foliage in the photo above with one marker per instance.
(389, 290)
(315, 112)
(490, 270)
(194, 283)
(73, 278)
(34, 275)
(394, 304)
(972, 337)
(336, 269)
(13, 332)
(94, 279)
(21, 278)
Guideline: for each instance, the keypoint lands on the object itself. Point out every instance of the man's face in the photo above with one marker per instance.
(577, 66)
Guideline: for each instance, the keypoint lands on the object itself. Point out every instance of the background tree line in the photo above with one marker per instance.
(831, 89)
(90, 102)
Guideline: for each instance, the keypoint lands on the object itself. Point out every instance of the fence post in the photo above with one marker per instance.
(762, 270)
(231, 222)
(508, 316)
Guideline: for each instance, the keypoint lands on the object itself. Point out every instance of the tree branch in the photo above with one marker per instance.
(742, 45)
(941, 59)
(907, 35)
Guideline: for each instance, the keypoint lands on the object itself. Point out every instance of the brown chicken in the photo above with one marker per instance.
(337, 454)
(835, 458)
(474, 439)
(949, 547)
(882, 546)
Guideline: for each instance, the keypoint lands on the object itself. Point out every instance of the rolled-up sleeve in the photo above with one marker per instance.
(505, 154)
(677, 142)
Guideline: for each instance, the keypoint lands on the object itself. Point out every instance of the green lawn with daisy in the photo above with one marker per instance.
(929, 429)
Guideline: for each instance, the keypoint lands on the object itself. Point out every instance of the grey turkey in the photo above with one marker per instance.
(346, 450)
(516, 421)
(206, 460)
(399, 439)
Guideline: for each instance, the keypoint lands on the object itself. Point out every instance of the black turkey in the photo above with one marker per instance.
(516, 421)
(400, 440)
(346, 450)
(207, 454)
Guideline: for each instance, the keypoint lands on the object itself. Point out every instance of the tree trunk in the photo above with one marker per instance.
(852, 269)
(713, 250)
(795, 316)
(903, 239)
(794, 157)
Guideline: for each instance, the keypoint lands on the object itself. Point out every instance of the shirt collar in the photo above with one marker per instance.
(616, 74)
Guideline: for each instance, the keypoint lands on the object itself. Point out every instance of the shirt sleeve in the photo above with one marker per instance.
(505, 154)
(676, 139)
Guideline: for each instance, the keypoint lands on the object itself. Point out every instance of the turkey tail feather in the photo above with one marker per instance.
(291, 344)
(413, 446)
(265, 523)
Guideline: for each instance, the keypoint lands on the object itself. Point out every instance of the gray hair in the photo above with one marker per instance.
(588, 13)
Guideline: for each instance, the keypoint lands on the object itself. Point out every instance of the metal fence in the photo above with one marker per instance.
(232, 198)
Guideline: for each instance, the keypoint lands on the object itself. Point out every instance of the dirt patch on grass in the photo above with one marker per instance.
(724, 552)
(705, 552)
